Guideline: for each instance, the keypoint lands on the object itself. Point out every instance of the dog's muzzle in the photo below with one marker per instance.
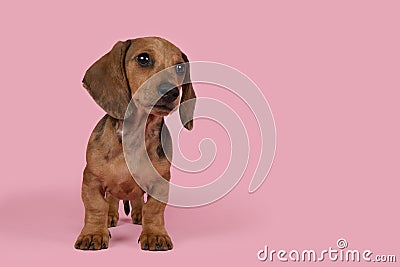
(168, 92)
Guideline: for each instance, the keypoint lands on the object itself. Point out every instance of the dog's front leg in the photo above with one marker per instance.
(154, 236)
(94, 234)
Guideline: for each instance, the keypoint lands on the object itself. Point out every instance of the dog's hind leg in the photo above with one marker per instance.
(136, 213)
(113, 215)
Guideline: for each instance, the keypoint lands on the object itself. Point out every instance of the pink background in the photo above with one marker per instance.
(330, 71)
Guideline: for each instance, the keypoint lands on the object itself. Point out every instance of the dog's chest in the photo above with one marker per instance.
(142, 149)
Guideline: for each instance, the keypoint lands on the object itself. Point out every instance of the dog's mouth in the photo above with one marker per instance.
(161, 109)
(161, 104)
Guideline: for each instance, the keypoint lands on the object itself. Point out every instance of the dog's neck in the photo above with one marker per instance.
(140, 120)
(141, 131)
(140, 126)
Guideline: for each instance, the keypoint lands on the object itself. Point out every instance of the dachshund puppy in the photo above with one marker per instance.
(113, 81)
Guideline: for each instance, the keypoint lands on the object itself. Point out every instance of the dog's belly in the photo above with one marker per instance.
(125, 189)
(119, 182)
(124, 186)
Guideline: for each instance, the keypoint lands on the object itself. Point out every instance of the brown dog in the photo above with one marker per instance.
(113, 81)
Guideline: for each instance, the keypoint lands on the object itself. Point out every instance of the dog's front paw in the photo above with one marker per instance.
(93, 240)
(155, 241)
(112, 219)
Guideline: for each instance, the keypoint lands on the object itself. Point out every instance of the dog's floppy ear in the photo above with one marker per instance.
(106, 81)
(186, 111)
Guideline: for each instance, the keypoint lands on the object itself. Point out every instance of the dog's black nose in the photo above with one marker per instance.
(169, 92)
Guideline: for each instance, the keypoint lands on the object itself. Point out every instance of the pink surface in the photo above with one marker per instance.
(330, 72)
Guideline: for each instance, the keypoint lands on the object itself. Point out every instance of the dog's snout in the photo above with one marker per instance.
(168, 91)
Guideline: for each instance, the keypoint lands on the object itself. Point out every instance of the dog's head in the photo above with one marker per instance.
(124, 72)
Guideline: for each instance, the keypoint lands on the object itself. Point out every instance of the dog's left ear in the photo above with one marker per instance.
(106, 81)
(186, 111)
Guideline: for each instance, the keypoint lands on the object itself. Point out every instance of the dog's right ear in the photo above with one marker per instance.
(106, 81)
(186, 111)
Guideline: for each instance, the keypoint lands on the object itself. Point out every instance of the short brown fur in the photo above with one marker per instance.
(112, 81)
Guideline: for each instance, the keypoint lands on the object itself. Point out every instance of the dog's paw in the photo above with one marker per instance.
(136, 217)
(112, 219)
(155, 242)
(93, 241)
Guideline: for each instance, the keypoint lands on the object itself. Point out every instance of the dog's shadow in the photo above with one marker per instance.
(45, 215)
(57, 217)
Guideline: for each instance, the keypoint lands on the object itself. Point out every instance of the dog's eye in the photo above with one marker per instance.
(144, 60)
(180, 68)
